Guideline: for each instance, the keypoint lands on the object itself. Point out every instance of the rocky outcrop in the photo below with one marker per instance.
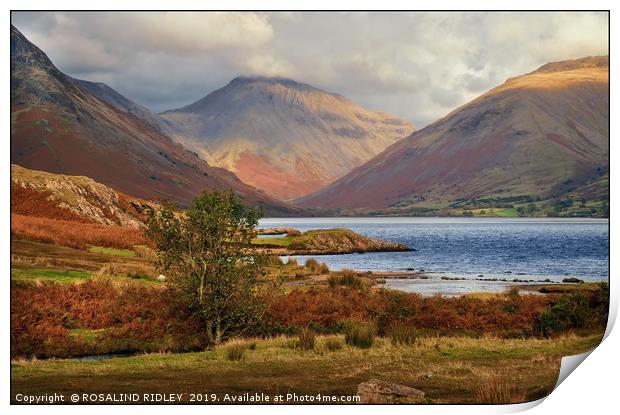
(327, 242)
(82, 196)
(342, 240)
(383, 392)
(277, 231)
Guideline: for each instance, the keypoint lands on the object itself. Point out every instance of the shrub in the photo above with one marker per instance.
(74, 234)
(312, 264)
(401, 334)
(360, 335)
(235, 350)
(130, 317)
(513, 294)
(292, 262)
(323, 268)
(143, 251)
(274, 260)
(548, 323)
(347, 278)
(252, 345)
(333, 344)
(297, 245)
(306, 338)
(570, 311)
(326, 309)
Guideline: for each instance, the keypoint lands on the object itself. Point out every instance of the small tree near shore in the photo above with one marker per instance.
(205, 252)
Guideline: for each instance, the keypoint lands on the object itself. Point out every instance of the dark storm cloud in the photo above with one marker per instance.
(415, 65)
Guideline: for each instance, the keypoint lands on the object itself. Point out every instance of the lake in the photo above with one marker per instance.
(524, 248)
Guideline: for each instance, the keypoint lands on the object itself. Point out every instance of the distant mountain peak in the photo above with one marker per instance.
(267, 79)
(286, 137)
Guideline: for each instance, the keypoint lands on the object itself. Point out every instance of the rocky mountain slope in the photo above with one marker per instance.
(282, 136)
(43, 194)
(118, 101)
(58, 126)
(542, 134)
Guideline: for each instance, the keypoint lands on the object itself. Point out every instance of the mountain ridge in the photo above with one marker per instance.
(281, 135)
(60, 127)
(539, 133)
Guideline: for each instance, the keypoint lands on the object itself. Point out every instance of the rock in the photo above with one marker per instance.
(409, 269)
(381, 392)
(161, 277)
(573, 280)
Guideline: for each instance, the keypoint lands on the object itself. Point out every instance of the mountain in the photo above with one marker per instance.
(118, 101)
(58, 126)
(282, 136)
(539, 135)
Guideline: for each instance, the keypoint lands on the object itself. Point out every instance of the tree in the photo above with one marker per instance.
(205, 252)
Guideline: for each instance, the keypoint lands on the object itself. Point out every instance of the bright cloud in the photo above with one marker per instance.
(418, 66)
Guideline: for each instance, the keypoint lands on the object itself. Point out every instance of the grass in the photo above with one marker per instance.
(401, 334)
(235, 351)
(360, 335)
(38, 274)
(333, 344)
(498, 390)
(283, 241)
(74, 234)
(307, 339)
(35, 255)
(457, 368)
(127, 253)
(347, 278)
(302, 241)
(88, 335)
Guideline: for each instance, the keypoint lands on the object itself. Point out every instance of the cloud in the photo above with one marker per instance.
(415, 65)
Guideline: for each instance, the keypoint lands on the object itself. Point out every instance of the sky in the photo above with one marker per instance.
(418, 66)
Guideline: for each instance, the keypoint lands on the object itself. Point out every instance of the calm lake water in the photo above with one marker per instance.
(524, 248)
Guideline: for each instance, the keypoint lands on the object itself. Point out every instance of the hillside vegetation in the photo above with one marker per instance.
(328, 241)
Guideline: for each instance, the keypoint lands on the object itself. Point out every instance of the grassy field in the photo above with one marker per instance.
(36, 274)
(112, 251)
(133, 313)
(447, 369)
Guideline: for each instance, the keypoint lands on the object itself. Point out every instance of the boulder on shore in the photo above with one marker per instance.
(573, 280)
(381, 392)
